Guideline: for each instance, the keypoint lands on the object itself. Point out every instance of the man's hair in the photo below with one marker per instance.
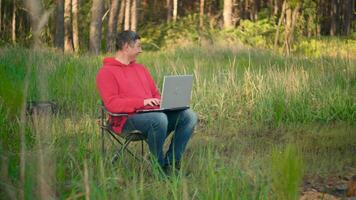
(124, 37)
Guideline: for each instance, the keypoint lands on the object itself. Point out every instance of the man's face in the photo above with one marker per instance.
(133, 49)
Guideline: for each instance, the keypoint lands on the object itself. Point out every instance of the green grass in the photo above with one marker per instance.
(287, 172)
(249, 102)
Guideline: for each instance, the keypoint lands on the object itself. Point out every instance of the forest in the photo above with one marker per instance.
(82, 26)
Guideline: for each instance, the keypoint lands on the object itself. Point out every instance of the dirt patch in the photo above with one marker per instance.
(315, 195)
(332, 187)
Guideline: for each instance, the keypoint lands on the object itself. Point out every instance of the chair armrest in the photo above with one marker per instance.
(114, 114)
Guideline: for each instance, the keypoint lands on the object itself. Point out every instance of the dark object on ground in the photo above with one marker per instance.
(351, 187)
(41, 107)
(172, 170)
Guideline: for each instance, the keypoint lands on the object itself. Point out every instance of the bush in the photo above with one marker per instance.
(260, 33)
(183, 32)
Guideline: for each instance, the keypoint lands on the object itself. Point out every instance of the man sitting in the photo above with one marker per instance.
(126, 86)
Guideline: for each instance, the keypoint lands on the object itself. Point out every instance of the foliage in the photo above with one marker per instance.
(184, 32)
(259, 33)
(316, 47)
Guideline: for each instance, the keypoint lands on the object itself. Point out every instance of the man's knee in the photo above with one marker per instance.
(190, 117)
(158, 119)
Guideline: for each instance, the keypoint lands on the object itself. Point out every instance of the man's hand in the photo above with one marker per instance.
(152, 102)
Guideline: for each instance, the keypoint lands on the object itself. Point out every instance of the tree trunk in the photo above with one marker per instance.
(68, 43)
(288, 22)
(75, 25)
(275, 7)
(310, 26)
(169, 10)
(333, 16)
(227, 14)
(0, 17)
(254, 9)
(201, 18)
(291, 20)
(347, 16)
(127, 15)
(319, 17)
(295, 16)
(279, 24)
(112, 23)
(59, 34)
(236, 12)
(95, 26)
(13, 30)
(120, 21)
(175, 10)
(133, 15)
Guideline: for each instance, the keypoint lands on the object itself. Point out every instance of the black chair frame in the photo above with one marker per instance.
(123, 139)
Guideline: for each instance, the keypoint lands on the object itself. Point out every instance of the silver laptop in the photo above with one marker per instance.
(176, 93)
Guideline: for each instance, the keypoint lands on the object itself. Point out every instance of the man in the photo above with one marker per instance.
(126, 86)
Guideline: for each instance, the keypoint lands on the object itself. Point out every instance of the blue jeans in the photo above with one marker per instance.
(158, 125)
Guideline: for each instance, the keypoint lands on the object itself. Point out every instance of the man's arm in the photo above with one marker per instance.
(152, 85)
(109, 91)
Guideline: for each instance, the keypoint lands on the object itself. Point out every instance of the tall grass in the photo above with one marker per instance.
(248, 103)
(287, 172)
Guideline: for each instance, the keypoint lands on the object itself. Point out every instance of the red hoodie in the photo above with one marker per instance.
(123, 89)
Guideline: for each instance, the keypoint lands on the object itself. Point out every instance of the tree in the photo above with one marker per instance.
(319, 18)
(227, 14)
(95, 26)
(279, 24)
(175, 10)
(0, 15)
(121, 15)
(255, 4)
(127, 15)
(112, 23)
(348, 6)
(13, 30)
(75, 25)
(133, 15)
(68, 43)
(334, 16)
(291, 16)
(169, 10)
(275, 7)
(59, 31)
(201, 13)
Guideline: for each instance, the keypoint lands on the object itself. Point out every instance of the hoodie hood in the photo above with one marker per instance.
(113, 62)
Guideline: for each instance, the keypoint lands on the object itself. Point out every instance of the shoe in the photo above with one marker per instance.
(172, 170)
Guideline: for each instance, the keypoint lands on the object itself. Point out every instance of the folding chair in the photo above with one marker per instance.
(123, 139)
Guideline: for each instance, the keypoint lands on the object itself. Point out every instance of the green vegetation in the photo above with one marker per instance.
(287, 169)
(250, 103)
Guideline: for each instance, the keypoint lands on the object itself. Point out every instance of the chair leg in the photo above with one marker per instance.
(142, 153)
(102, 142)
(120, 151)
(102, 134)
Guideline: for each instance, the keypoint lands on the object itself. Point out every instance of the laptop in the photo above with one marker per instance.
(176, 93)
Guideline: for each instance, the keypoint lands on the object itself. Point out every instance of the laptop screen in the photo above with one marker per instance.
(176, 92)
